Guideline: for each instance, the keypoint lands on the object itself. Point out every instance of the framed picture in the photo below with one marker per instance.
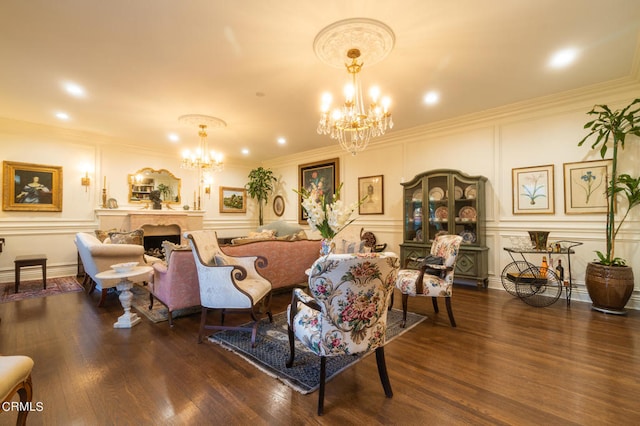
(278, 205)
(233, 200)
(31, 187)
(371, 193)
(319, 178)
(533, 190)
(585, 186)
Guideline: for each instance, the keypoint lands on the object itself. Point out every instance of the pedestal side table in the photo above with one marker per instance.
(128, 319)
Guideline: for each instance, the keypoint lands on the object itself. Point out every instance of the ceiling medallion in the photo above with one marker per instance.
(374, 39)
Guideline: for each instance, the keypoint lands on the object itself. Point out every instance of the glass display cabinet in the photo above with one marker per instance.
(450, 202)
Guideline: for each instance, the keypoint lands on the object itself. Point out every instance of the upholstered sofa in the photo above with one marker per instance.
(287, 260)
(97, 256)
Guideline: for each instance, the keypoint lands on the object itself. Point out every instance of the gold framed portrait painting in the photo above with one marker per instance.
(31, 187)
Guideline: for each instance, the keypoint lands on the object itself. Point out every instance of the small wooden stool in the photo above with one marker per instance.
(31, 260)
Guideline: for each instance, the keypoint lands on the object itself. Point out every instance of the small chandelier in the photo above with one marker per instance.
(355, 122)
(202, 159)
(352, 124)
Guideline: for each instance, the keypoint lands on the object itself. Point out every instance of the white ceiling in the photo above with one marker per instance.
(144, 63)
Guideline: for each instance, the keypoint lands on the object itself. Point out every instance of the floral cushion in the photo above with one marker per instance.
(353, 292)
(133, 237)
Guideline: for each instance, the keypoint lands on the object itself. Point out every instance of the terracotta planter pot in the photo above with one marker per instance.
(609, 287)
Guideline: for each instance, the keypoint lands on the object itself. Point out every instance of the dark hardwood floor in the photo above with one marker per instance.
(505, 363)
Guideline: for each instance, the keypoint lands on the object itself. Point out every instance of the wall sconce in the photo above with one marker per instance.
(207, 181)
(85, 181)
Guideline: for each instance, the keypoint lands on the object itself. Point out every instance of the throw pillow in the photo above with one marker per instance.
(133, 237)
(102, 235)
(348, 246)
(168, 247)
(266, 234)
(281, 228)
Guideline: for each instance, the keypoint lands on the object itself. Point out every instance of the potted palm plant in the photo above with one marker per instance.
(260, 185)
(609, 280)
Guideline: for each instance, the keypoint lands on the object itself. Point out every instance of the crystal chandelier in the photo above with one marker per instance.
(351, 124)
(355, 122)
(202, 159)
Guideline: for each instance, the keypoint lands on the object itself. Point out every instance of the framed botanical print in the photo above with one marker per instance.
(585, 186)
(319, 179)
(371, 194)
(533, 190)
(233, 200)
(31, 187)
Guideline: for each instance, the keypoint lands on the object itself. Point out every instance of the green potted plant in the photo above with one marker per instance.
(609, 280)
(260, 185)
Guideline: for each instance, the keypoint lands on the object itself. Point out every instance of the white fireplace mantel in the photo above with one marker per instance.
(129, 219)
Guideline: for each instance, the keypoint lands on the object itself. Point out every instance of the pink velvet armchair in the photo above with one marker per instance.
(175, 284)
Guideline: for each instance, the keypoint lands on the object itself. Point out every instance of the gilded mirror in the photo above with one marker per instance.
(142, 182)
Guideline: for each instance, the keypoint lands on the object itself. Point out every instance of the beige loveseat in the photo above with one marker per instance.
(97, 256)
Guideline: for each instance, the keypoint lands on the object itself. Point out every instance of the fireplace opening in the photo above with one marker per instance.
(154, 235)
(153, 244)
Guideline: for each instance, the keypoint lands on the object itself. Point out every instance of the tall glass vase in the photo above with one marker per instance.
(327, 246)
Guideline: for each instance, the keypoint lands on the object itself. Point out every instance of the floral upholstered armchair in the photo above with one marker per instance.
(346, 312)
(432, 280)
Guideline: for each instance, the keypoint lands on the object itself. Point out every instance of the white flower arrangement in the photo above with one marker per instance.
(327, 218)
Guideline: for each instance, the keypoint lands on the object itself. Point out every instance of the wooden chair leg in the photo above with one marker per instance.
(434, 300)
(391, 299)
(26, 395)
(170, 314)
(382, 372)
(323, 371)
(150, 301)
(92, 286)
(103, 297)
(254, 333)
(292, 347)
(405, 302)
(447, 301)
(203, 320)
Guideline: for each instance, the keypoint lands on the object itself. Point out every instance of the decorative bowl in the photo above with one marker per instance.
(124, 267)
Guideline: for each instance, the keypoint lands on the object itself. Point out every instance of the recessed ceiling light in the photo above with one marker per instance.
(62, 115)
(173, 137)
(74, 89)
(282, 141)
(431, 98)
(563, 58)
(245, 151)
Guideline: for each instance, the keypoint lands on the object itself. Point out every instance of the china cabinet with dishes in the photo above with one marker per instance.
(451, 202)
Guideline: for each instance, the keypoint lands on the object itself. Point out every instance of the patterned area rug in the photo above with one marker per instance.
(159, 312)
(272, 351)
(33, 289)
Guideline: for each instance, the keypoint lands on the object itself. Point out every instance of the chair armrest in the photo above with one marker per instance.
(300, 296)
